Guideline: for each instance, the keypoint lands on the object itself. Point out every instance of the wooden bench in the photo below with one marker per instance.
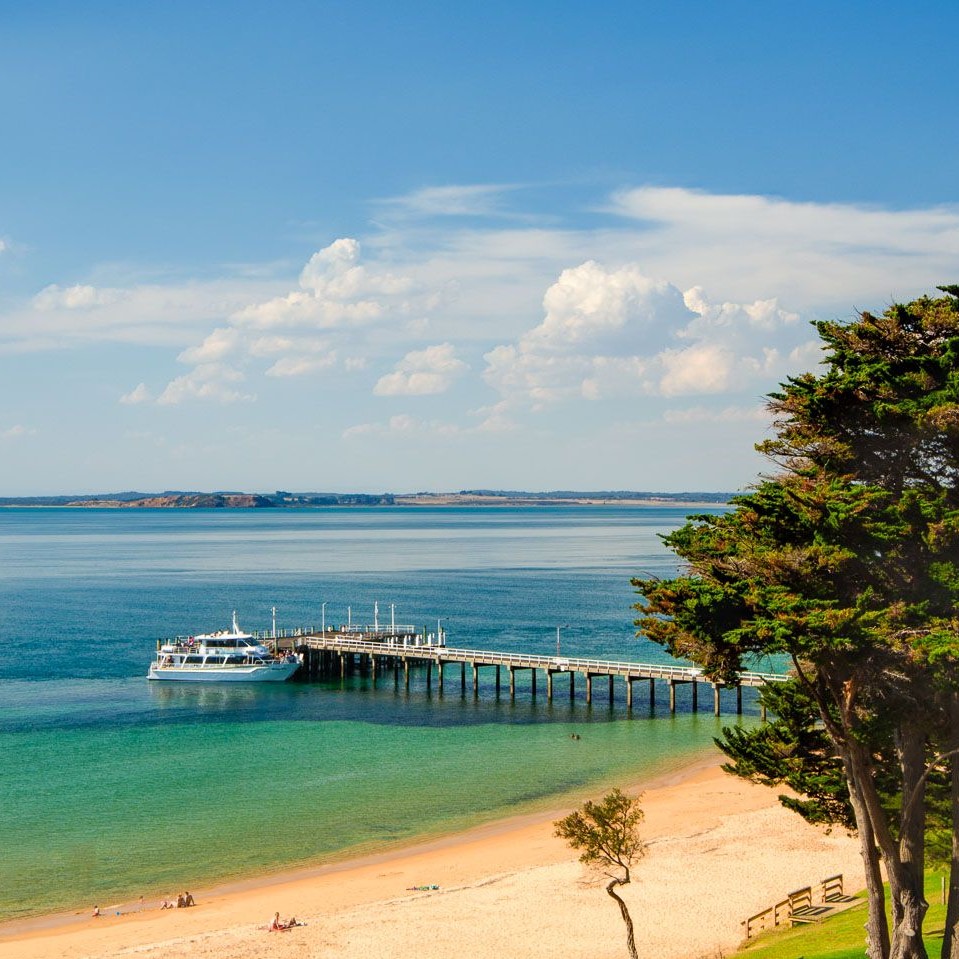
(832, 889)
(801, 908)
(798, 907)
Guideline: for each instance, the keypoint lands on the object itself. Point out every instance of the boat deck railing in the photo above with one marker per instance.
(268, 635)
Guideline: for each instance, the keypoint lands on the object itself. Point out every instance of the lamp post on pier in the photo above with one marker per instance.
(323, 616)
(558, 628)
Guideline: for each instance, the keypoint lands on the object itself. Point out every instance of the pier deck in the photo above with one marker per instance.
(336, 654)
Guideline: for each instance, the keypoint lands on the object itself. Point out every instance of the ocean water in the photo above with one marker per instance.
(112, 787)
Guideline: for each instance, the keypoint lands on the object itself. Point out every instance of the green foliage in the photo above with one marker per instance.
(847, 562)
(607, 832)
(792, 750)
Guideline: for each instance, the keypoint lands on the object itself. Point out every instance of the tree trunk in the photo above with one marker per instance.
(912, 752)
(950, 938)
(907, 900)
(877, 925)
(858, 773)
(630, 938)
(907, 931)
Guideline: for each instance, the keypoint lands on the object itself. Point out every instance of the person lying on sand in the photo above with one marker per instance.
(277, 925)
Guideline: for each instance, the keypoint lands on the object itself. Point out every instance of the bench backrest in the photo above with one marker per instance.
(800, 898)
(832, 887)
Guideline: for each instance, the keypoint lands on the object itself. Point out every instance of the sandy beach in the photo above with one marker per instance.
(719, 850)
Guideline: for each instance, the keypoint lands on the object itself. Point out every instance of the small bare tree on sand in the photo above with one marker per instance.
(607, 832)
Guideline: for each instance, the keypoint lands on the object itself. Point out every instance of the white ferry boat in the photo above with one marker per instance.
(229, 655)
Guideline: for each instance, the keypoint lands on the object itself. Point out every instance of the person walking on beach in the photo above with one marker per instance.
(96, 912)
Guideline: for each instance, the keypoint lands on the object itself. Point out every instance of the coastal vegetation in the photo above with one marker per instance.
(607, 832)
(845, 561)
(283, 498)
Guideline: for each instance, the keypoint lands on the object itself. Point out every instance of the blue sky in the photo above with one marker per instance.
(431, 246)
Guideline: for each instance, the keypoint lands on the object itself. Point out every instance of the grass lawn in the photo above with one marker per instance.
(842, 936)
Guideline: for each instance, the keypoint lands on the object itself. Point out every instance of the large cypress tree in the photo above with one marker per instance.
(846, 560)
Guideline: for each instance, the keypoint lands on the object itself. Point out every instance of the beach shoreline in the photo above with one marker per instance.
(349, 904)
(503, 825)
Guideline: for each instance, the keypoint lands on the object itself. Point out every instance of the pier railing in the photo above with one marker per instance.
(556, 664)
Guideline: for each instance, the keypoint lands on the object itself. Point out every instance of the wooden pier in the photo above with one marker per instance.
(337, 655)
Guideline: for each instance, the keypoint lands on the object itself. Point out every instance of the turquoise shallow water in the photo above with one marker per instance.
(112, 787)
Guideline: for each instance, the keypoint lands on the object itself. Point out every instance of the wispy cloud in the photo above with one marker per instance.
(209, 381)
(402, 424)
(77, 297)
(167, 316)
(661, 293)
(810, 255)
(483, 199)
(726, 414)
(139, 394)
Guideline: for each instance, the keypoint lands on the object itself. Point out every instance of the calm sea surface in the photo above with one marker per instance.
(112, 787)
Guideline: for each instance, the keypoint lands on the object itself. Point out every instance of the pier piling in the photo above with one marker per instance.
(337, 655)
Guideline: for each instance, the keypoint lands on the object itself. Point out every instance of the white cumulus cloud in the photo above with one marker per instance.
(422, 372)
(617, 332)
(335, 291)
(704, 368)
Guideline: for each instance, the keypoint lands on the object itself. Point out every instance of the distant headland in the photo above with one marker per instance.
(282, 499)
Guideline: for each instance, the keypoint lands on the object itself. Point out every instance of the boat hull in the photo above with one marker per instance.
(265, 673)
